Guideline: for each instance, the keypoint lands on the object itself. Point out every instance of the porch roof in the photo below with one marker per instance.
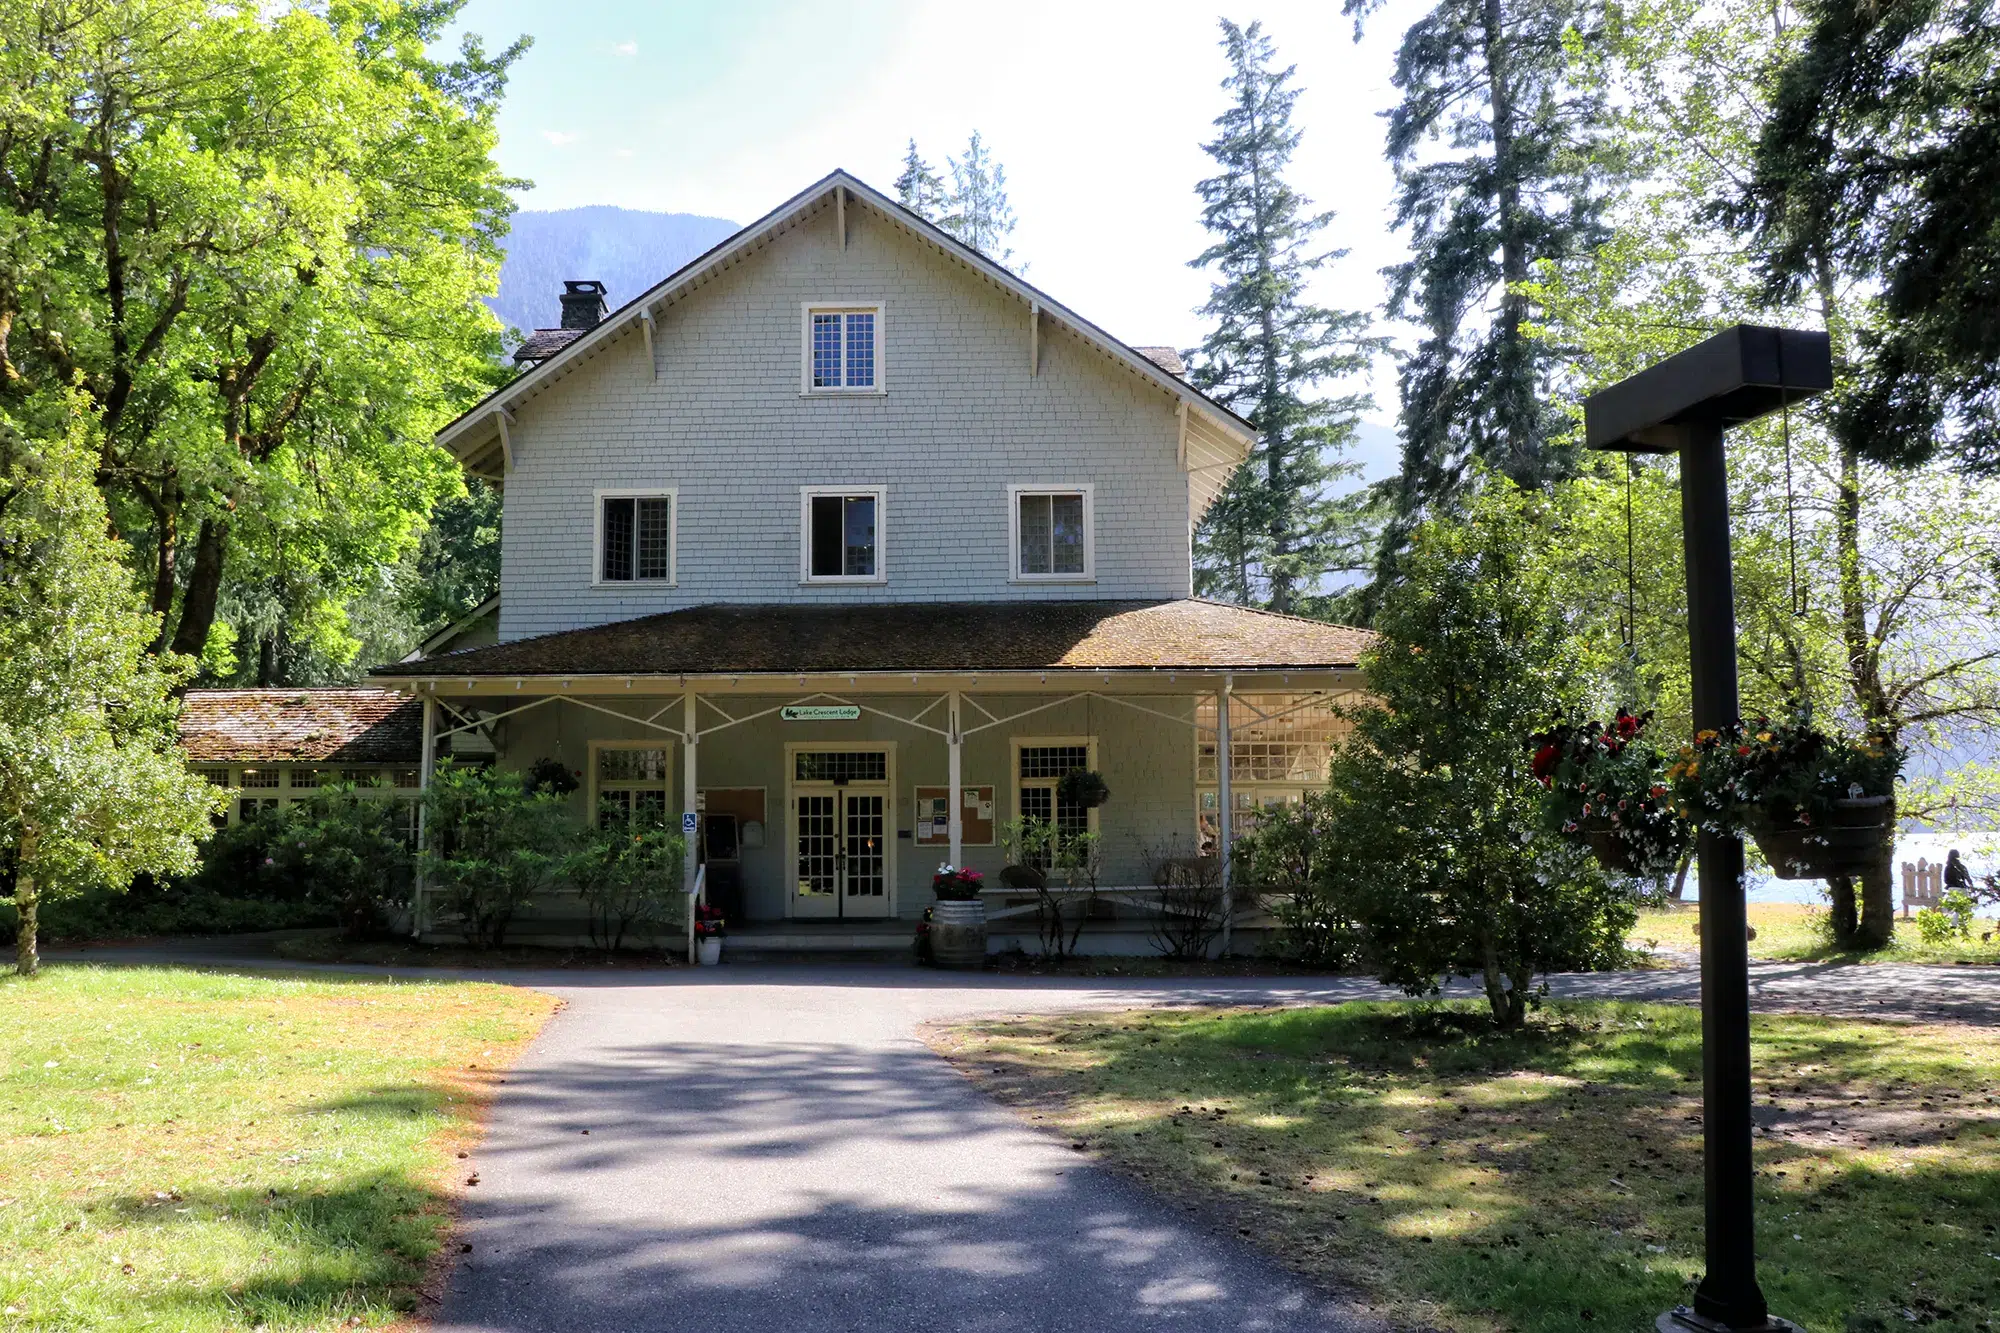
(1190, 634)
(266, 725)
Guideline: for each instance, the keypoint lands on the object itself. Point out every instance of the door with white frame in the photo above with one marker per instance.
(843, 835)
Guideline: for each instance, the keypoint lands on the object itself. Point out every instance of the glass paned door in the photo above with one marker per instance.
(841, 836)
(865, 883)
(819, 856)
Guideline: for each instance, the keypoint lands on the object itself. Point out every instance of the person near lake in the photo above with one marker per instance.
(1956, 876)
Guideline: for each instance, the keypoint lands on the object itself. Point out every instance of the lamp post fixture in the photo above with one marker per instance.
(1683, 405)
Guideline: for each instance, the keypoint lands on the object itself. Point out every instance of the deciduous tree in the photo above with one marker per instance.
(93, 789)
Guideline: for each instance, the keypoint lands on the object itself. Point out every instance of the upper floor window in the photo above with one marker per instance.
(843, 351)
(635, 536)
(841, 534)
(1050, 531)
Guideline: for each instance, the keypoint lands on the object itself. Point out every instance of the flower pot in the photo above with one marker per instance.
(1609, 846)
(1023, 877)
(708, 950)
(958, 935)
(1847, 846)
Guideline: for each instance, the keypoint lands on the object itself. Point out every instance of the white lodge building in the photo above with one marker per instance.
(849, 544)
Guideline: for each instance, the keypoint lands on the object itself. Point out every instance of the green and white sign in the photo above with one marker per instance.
(820, 712)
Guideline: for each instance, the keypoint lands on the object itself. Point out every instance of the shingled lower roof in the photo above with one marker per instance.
(265, 725)
(724, 638)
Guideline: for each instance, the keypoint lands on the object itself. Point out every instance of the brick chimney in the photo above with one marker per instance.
(583, 304)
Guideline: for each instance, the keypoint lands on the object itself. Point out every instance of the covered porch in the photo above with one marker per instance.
(820, 801)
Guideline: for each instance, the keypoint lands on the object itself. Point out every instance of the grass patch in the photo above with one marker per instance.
(1545, 1181)
(1796, 932)
(193, 1151)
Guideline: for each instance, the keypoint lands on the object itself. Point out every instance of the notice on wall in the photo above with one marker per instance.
(934, 816)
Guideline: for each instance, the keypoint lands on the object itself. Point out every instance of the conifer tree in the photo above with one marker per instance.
(1499, 165)
(1273, 534)
(977, 211)
(919, 189)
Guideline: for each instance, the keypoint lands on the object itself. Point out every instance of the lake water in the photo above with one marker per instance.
(1981, 852)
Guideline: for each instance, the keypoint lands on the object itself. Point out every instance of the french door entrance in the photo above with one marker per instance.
(841, 834)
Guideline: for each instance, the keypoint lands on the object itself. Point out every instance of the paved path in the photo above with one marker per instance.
(772, 1148)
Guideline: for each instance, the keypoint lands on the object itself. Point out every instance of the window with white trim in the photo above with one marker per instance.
(1281, 747)
(1050, 532)
(841, 534)
(843, 349)
(633, 780)
(1040, 764)
(636, 532)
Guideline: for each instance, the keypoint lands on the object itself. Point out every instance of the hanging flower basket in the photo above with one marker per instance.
(1817, 805)
(1606, 785)
(1083, 787)
(1851, 842)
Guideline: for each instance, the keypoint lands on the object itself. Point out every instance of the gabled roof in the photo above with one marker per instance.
(787, 638)
(264, 725)
(1216, 439)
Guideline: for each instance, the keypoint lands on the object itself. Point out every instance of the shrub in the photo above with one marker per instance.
(1950, 920)
(1430, 838)
(628, 874)
(349, 852)
(494, 844)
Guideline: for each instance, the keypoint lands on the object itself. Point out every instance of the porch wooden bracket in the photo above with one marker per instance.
(503, 419)
(646, 327)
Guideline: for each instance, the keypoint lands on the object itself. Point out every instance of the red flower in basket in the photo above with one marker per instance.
(708, 921)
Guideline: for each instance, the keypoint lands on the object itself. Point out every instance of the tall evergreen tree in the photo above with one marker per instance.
(976, 209)
(1274, 534)
(1499, 164)
(1881, 157)
(919, 189)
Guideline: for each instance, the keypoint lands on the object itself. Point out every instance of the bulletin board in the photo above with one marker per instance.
(933, 812)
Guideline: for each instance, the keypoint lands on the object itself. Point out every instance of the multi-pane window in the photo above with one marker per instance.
(636, 535)
(634, 781)
(1280, 746)
(258, 777)
(843, 534)
(841, 349)
(1051, 533)
(840, 766)
(1041, 769)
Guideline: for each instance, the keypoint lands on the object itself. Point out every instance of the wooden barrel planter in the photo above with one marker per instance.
(1847, 846)
(958, 934)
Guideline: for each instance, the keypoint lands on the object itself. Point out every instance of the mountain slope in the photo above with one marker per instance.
(625, 249)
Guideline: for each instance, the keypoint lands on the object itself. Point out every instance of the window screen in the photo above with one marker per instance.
(1051, 534)
(842, 541)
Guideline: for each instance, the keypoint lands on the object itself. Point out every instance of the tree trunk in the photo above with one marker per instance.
(211, 553)
(1846, 921)
(27, 902)
(267, 658)
(1878, 892)
(1508, 1006)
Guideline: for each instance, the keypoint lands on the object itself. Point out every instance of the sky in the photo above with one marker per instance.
(1096, 108)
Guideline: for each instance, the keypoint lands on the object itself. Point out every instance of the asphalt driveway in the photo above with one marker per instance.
(776, 1150)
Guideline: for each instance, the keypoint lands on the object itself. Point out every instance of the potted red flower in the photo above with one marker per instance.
(709, 928)
(957, 933)
(1606, 784)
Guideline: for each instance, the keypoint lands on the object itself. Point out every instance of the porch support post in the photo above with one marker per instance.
(690, 746)
(954, 743)
(424, 766)
(1224, 800)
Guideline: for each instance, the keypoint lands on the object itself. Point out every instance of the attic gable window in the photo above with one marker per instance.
(843, 349)
(635, 536)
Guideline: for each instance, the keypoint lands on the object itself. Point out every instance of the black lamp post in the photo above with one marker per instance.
(1683, 405)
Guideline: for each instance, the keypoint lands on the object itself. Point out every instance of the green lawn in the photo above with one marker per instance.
(1795, 932)
(1547, 1181)
(193, 1151)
